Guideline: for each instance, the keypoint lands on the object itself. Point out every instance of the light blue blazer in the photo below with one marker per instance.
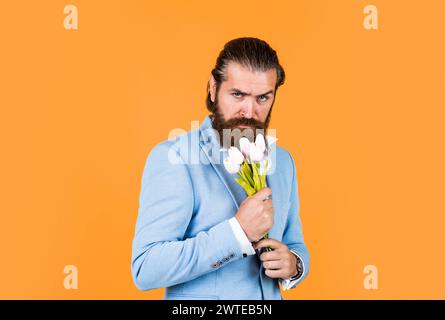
(183, 240)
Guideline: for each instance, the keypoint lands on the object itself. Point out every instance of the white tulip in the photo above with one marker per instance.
(235, 155)
(244, 145)
(259, 142)
(255, 153)
(231, 166)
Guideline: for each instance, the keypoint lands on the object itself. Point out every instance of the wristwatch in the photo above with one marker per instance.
(299, 269)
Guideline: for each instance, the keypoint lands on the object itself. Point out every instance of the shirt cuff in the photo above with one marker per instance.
(240, 235)
(288, 283)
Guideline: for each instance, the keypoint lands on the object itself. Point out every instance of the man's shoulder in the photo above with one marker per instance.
(179, 146)
(283, 155)
(282, 152)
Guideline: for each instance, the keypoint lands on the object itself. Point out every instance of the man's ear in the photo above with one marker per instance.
(212, 88)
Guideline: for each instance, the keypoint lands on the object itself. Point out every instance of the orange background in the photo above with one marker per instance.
(362, 112)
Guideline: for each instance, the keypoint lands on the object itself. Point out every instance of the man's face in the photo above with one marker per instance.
(244, 100)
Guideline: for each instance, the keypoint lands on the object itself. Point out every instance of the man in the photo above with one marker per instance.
(197, 233)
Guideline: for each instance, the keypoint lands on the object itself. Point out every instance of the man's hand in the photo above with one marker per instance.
(256, 215)
(279, 263)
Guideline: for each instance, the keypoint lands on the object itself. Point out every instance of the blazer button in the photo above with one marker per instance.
(244, 255)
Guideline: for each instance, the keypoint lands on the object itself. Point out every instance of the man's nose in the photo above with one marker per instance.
(247, 110)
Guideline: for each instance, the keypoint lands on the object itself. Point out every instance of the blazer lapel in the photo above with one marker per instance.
(209, 144)
(273, 182)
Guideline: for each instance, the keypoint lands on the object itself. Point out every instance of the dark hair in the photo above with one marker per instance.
(251, 53)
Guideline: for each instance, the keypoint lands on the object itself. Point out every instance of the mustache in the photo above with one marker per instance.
(253, 123)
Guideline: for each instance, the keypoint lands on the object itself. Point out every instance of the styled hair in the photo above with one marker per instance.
(252, 53)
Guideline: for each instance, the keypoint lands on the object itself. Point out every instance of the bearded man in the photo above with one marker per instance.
(197, 233)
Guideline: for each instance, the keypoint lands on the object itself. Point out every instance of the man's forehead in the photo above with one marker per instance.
(247, 80)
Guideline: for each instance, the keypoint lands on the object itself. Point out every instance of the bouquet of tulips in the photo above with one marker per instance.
(251, 163)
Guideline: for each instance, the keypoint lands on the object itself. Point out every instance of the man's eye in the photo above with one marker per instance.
(263, 98)
(237, 94)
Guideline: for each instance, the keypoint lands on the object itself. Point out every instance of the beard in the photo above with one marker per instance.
(229, 131)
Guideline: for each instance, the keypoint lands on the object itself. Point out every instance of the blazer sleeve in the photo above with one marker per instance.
(293, 232)
(161, 257)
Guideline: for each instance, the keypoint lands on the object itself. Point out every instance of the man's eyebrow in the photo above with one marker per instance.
(266, 93)
(248, 94)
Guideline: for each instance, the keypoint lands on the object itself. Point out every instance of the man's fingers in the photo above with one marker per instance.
(268, 204)
(263, 194)
(270, 256)
(273, 264)
(271, 243)
(274, 273)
